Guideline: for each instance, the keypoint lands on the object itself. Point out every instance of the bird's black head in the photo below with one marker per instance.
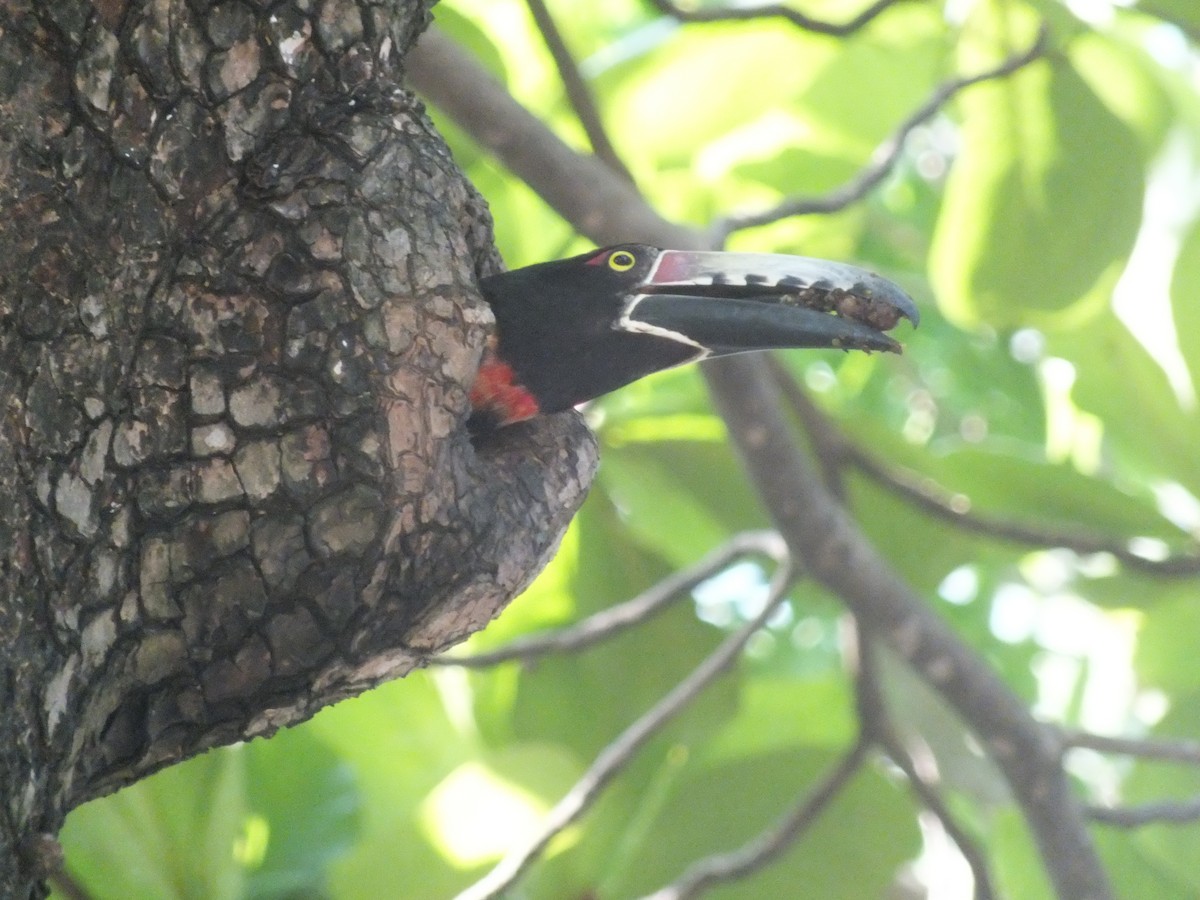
(577, 328)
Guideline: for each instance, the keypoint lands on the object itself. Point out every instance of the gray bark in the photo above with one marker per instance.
(238, 318)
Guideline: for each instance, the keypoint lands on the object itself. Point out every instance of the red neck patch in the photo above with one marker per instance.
(496, 396)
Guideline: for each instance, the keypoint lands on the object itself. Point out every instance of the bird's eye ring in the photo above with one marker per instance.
(622, 261)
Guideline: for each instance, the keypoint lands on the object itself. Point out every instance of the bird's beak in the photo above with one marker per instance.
(734, 302)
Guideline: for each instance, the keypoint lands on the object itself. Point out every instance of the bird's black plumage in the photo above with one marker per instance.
(573, 329)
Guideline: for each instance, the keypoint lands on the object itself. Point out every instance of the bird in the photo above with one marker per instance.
(570, 330)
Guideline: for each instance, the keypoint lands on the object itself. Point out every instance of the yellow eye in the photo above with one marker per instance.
(622, 261)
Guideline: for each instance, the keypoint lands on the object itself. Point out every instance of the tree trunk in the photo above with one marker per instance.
(238, 318)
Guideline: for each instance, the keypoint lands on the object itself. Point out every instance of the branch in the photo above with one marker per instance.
(769, 844)
(581, 189)
(835, 553)
(616, 619)
(617, 755)
(1169, 812)
(875, 728)
(943, 504)
(1175, 812)
(883, 160)
(927, 792)
(1181, 751)
(66, 886)
(45, 855)
(577, 89)
(775, 11)
(948, 505)
(877, 724)
(608, 210)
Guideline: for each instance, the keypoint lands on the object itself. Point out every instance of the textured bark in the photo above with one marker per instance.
(238, 317)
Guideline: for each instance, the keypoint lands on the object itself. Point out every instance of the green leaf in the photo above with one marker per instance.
(1167, 644)
(1147, 430)
(1173, 848)
(473, 38)
(1137, 871)
(847, 97)
(923, 549)
(172, 836)
(306, 798)
(761, 67)
(777, 714)
(1018, 867)
(516, 785)
(638, 666)
(400, 744)
(1043, 204)
(717, 805)
(973, 383)
(661, 511)
(1181, 12)
(1185, 302)
(679, 499)
(1126, 79)
(870, 85)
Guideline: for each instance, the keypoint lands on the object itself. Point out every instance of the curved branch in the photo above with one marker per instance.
(1167, 750)
(776, 11)
(835, 553)
(883, 160)
(877, 724)
(944, 504)
(577, 90)
(766, 846)
(835, 449)
(581, 189)
(1168, 812)
(617, 755)
(615, 619)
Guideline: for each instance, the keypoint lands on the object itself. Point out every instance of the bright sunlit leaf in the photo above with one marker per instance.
(1042, 205)
(474, 815)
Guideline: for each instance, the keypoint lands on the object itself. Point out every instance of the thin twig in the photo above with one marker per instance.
(43, 854)
(1168, 812)
(577, 90)
(931, 798)
(1181, 751)
(579, 187)
(66, 885)
(617, 755)
(1176, 812)
(883, 160)
(720, 868)
(618, 618)
(930, 497)
(876, 723)
(766, 846)
(775, 11)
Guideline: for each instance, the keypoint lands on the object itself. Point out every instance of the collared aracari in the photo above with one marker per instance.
(571, 330)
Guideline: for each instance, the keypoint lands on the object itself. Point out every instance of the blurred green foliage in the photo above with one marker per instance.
(1013, 217)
